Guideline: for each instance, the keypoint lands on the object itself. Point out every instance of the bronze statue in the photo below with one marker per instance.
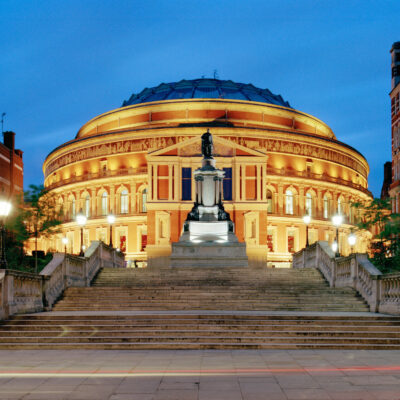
(207, 145)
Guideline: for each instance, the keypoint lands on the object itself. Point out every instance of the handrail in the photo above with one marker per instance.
(380, 291)
(319, 177)
(22, 292)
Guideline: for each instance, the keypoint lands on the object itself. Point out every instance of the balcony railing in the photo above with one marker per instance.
(319, 177)
(97, 175)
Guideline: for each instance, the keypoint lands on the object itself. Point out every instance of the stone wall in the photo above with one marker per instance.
(380, 291)
(23, 292)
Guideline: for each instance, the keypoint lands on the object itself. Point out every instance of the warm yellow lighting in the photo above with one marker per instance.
(352, 239)
(337, 220)
(5, 208)
(111, 218)
(307, 219)
(81, 219)
(64, 241)
(334, 246)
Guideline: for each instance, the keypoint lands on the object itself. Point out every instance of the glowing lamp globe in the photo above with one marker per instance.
(337, 220)
(111, 218)
(334, 247)
(64, 241)
(81, 219)
(307, 219)
(352, 239)
(5, 208)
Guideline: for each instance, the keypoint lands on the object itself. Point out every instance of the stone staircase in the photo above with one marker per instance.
(205, 309)
(210, 289)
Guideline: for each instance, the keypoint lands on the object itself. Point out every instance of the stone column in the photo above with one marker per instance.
(301, 201)
(237, 182)
(155, 182)
(170, 188)
(150, 179)
(281, 205)
(94, 202)
(113, 205)
(176, 184)
(258, 181)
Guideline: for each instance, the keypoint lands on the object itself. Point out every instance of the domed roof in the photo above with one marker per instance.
(206, 89)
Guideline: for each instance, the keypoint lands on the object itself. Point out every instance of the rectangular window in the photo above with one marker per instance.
(122, 243)
(270, 240)
(227, 184)
(290, 241)
(144, 242)
(186, 183)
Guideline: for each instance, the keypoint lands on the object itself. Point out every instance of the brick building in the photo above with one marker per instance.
(395, 115)
(11, 166)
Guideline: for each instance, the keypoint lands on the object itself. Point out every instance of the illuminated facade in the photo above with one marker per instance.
(137, 162)
(395, 114)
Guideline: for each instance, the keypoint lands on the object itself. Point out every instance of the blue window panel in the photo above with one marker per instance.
(227, 184)
(187, 173)
(186, 183)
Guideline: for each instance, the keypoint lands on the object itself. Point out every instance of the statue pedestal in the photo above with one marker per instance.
(209, 254)
(208, 238)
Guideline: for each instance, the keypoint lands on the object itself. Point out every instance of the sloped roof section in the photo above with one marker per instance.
(206, 89)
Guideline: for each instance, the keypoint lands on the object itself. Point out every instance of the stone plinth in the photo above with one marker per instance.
(209, 254)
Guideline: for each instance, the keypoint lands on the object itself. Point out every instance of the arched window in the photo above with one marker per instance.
(289, 202)
(270, 203)
(87, 206)
(326, 207)
(340, 206)
(104, 203)
(72, 209)
(144, 201)
(309, 203)
(124, 202)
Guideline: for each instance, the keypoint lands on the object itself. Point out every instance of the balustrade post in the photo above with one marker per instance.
(317, 255)
(8, 294)
(354, 271)
(334, 272)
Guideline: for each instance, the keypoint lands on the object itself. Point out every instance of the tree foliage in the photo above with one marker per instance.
(376, 216)
(37, 216)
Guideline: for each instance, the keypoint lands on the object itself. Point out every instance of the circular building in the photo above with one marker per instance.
(137, 161)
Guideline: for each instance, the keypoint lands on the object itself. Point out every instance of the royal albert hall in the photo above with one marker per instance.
(137, 162)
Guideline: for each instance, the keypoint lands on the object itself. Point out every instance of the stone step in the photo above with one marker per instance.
(187, 333)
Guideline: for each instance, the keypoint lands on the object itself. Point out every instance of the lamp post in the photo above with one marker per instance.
(81, 220)
(5, 208)
(352, 238)
(337, 221)
(307, 220)
(65, 242)
(111, 220)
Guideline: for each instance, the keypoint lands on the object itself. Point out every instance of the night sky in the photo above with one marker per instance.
(64, 62)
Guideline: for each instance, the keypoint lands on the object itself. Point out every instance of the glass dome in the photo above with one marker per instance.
(206, 89)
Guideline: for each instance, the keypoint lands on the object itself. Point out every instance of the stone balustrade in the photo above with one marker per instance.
(380, 291)
(23, 292)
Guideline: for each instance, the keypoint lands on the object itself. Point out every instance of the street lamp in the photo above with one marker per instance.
(81, 220)
(111, 220)
(352, 238)
(307, 220)
(337, 221)
(65, 242)
(5, 208)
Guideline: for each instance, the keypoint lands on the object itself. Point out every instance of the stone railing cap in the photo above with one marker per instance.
(362, 259)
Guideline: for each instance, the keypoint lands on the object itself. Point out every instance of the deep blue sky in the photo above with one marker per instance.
(64, 62)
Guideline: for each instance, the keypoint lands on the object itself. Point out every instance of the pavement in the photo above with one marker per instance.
(200, 375)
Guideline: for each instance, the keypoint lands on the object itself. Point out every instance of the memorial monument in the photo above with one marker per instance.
(208, 238)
